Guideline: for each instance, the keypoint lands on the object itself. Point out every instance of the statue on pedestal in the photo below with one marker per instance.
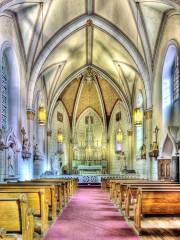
(55, 164)
(25, 146)
(37, 153)
(11, 159)
(2, 141)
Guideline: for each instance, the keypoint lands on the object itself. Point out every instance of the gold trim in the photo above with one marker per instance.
(30, 115)
(49, 133)
(89, 23)
(130, 133)
(148, 114)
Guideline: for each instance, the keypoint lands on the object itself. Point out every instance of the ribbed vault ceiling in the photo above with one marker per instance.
(80, 95)
(139, 21)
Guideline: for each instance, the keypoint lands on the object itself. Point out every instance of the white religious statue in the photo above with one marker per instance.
(2, 141)
(11, 159)
(37, 153)
(25, 145)
(55, 164)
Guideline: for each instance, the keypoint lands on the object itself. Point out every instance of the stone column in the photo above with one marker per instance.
(30, 124)
(130, 152)
(148, 132)
(70, 155)
(49, 136)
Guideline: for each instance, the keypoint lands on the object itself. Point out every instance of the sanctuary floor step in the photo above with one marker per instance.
(90, 216)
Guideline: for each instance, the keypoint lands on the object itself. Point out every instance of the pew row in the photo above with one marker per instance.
(132, 190)
(49, 194)
(155, 202)
(36, 201)
(16, 218)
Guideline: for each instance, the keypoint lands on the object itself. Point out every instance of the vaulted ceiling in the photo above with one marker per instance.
(107, 35)
(98, 95)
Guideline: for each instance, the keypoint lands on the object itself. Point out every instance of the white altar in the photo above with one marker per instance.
(84, 169)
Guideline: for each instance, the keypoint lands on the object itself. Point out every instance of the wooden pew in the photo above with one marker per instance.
(49, 194)
(16, 218)
(36, 201)
(132, 189)
(61, 190)
(116, 191)
(155, 202)
(105, 184)
(5, 236)
(69, 187)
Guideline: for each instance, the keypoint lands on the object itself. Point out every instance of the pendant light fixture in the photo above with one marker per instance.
(42, 115)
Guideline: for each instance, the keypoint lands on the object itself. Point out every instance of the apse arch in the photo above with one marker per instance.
(76, 25)
(88, 109)
(79, 72)
(8, 55)
(167, 80)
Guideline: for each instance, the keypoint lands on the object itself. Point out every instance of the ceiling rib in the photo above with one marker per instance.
(89, 42)
(90, 7)
(37, 35)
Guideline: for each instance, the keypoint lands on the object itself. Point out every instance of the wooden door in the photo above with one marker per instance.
(164, 169)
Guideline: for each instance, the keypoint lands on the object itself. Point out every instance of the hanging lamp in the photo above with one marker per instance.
(119, 136)
(60, 137)
(138, 116)
(42, 115)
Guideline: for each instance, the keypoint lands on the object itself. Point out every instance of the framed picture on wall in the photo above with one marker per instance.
(59, 117)
(118, 116)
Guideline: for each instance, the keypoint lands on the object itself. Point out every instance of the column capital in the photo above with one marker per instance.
(49, 133)
(30, 114)
(148, 114)
(130, 132)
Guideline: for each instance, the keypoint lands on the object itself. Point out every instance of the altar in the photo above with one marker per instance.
(88, 170)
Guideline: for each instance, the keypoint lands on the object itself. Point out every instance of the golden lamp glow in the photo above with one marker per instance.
(60, 137)
(42, 115)
(138, 116)
(119, 136)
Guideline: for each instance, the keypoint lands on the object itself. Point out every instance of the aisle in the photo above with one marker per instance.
(90, 216)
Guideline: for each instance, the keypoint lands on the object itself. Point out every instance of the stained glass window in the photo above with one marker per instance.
(4, 92)
(176, 79)
(170, 81)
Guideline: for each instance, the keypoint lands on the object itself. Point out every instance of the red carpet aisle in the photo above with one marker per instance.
(90, 216)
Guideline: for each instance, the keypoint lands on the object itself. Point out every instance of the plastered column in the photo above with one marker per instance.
(148, 130)
(49, 139)
(30, 122)
(130, 153)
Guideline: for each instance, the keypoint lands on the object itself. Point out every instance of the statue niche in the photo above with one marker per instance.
(11, 154)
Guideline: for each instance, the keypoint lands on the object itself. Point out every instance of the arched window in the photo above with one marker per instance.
(4, 92)
(176, 75)
(139, 128)
(118, 140)
(170, 81)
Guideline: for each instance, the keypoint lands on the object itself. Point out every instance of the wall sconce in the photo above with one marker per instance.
(119, 136)
(138, 116)
(42, 115)
(60, 137)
